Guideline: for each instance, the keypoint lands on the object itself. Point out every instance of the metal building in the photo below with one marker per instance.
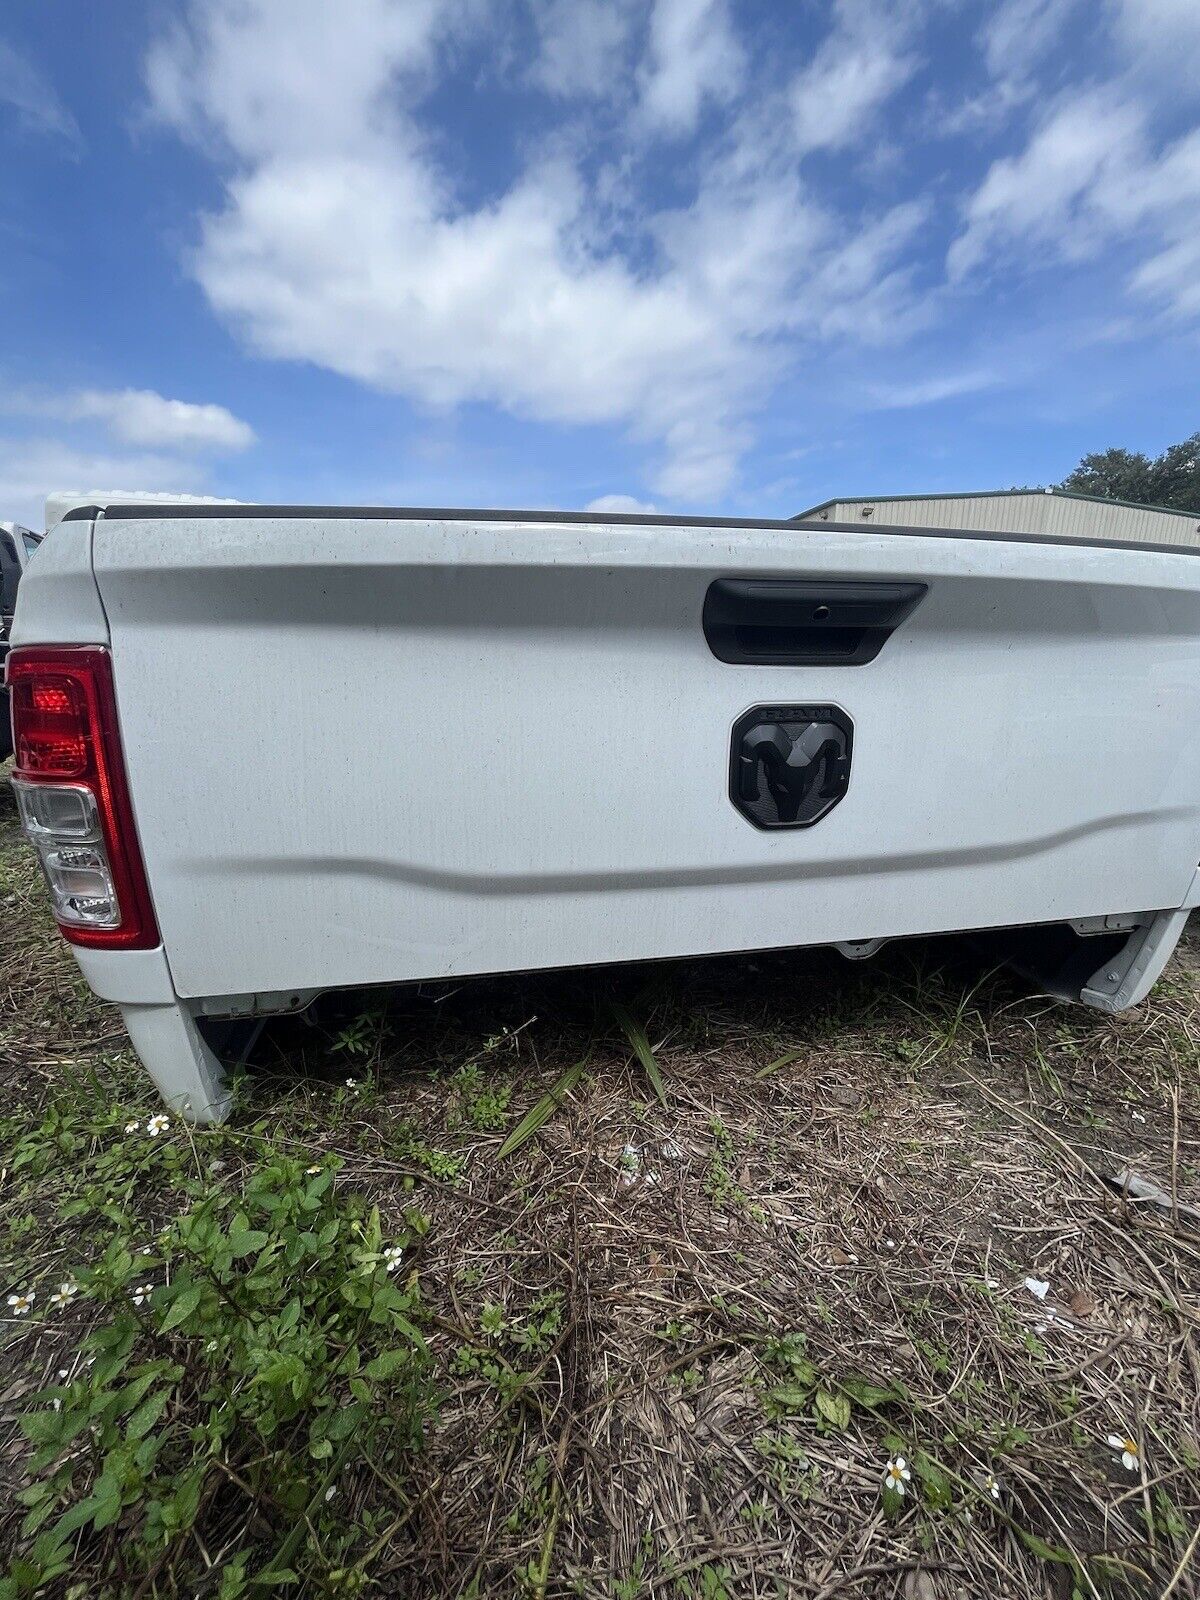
(1047, 511)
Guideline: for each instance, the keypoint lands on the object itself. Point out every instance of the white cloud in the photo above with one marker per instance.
(694, 57)
(1053, 193)
(581, 45)
(1015, 41)
(165, 437)
(142, 417)
(341, 241)
(32, 97)
(1166, 195)
(621, 504)
(1093, 174)
(861, 64)
(1160, 39)
(1019, 32)
(32, 468)
(293, 78)
(904, 396)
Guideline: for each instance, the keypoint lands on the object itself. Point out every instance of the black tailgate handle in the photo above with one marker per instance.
(804, 622)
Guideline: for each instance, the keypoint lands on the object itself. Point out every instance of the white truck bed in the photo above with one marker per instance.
(373, 746)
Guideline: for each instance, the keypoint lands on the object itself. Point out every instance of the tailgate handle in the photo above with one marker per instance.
(804, 622)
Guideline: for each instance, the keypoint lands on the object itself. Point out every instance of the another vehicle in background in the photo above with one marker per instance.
(17, 544)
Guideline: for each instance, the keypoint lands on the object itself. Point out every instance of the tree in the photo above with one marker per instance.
(1171, 479)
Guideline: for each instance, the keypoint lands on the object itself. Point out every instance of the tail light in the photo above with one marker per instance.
(69, 779)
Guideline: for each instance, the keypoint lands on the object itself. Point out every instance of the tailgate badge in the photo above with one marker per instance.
(789, 765)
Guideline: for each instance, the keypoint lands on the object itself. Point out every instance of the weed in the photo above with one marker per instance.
(247, 1352)
(719, 1184)
(480, 1103)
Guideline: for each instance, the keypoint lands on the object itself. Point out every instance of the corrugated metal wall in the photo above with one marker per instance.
(1036, 512)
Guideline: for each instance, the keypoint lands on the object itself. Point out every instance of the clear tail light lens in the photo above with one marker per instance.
(69, 779)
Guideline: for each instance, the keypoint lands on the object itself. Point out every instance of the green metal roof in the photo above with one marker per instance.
(991, 494)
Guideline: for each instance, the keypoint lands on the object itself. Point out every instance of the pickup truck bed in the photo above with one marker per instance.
(369, 746)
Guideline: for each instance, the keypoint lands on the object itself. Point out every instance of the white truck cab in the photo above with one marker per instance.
(449, 742)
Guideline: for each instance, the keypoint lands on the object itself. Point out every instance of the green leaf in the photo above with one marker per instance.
(147, 1414)
(1048, 1552)
(345, 1421)
(539, 1115)
(101, 1508)
(116, 1405)
(185, 1502)
(183, 1306)
(936, 1487)
(792, 1396)
(640, 1045)
(244, 1240)
(24, 1578)
(780, 1061)
(387, 1364)
(47, 1427)
(873, 1395)
(108, 1492)
(833, 1409)
(893, 1504)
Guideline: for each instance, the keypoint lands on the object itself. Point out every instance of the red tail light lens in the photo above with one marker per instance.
(50, 726)
(69, 778)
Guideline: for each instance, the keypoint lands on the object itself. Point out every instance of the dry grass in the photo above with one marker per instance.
(676, 1346)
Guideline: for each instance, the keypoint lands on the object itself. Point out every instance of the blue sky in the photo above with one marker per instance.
(689, 254)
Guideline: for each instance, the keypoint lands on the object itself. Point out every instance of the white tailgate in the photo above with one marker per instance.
(375, 749)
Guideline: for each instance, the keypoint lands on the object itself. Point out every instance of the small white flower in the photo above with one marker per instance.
(1131, 1458)
(393, 1256)
(132, 1127)
(142, 1293)
(145, 1250)
(1137, 1116)
(63, 1372)
(352, 1083)
(56, 1405)
(331, 1491)
(992, 1484)
(21, 1303)
(64, 1294)
(158, 1125)
(311, 1172)
(897, 1475)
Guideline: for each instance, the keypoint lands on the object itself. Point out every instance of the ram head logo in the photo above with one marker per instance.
(790, 765)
